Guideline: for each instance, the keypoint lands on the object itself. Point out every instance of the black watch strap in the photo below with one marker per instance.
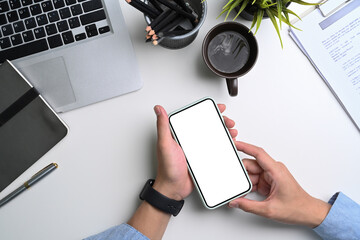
(160, 201)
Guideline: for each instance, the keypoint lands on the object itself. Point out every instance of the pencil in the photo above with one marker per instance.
(186, 8)
(144, 8)
(156, 11)
(183, 5)
(156, 42)
(179, 10)
(172, 25)
(158, 19)
(157, 39)
(156, 5)
(164, 22)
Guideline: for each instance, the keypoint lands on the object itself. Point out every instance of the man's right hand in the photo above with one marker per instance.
(285, 201)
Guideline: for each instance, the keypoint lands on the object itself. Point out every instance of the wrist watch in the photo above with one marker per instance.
(160, 201)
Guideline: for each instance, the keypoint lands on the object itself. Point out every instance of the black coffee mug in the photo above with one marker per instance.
(230, 50)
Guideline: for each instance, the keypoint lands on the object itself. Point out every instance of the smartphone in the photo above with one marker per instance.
(212, 158)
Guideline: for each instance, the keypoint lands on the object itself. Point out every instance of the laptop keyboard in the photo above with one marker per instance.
(32, 26)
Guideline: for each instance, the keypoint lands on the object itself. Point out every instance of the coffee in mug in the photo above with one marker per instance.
(230, 50)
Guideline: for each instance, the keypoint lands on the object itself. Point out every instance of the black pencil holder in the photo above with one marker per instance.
(181, 41)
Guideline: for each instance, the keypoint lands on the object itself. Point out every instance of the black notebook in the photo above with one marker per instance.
(28, 126)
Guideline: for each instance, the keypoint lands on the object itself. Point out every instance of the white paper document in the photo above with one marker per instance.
(332, 44)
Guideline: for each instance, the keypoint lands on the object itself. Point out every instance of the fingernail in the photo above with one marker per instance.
(233, 205)
(157, 110)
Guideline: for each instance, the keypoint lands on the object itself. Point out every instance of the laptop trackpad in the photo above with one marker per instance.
(52, 80)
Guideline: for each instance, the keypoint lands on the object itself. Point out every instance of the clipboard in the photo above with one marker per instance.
(29, 127)
(330, 39)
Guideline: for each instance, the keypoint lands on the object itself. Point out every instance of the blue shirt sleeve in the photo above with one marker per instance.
(342, 221)
(121, 232)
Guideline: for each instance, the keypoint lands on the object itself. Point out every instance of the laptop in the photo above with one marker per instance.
(75, 52)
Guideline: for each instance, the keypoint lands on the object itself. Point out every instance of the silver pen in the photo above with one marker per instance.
(34, 179)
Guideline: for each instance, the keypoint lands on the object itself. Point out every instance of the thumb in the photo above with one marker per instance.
(163, 128)
(251, 206)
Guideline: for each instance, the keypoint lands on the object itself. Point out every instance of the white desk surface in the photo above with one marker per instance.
(283, 105)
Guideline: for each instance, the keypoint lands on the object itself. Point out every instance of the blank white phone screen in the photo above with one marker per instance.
(212, 159)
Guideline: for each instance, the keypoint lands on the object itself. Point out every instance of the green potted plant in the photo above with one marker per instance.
(256, 10)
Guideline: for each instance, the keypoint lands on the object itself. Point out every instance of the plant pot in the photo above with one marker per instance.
(249, 11)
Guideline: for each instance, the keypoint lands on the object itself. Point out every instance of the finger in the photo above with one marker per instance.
(229, 122)
(262, 158)
(254, 179)
(221, 107)
(252, 166)
(251, 206)
(264, 187)
(263, 190)
(233, 133)
(163, 128)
